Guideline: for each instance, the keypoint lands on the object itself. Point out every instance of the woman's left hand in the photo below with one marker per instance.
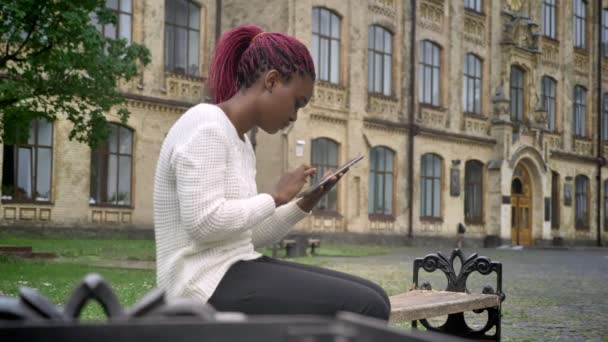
(309, 201)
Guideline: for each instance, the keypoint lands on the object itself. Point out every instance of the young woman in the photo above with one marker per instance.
(208, 215)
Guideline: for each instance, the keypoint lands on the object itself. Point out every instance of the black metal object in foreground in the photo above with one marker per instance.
(456, 323)
(31, 317)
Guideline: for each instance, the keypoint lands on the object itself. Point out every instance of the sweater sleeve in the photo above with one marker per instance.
(278, 225)
(205, 212)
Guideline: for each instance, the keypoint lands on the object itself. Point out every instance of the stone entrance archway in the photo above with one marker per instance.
(521, 207)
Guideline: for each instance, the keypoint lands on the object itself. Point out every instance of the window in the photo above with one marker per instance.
(473, 192)
(111, 165)
(605, 117)
(580, 23)
(580, 111)
(379, 65)
(548, 15)
(555, 200)
(548, 98)
(517, 93)
(582, 202)
(325, 157)
(428, 86)
(381, 166)
(326, 44)
(26, 170)
(475, 5)
(471, 84)
(430, 186)
(182, 37)
(605, 32)
(124, 12)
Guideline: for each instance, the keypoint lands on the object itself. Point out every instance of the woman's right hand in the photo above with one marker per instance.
(291, 183)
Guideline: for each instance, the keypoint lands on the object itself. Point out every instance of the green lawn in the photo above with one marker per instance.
(56, 280)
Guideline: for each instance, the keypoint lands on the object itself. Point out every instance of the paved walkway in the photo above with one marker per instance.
(552, 295)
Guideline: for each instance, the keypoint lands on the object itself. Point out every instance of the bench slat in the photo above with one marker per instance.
(419, 304)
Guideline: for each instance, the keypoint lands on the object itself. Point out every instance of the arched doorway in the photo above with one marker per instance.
(521, 207)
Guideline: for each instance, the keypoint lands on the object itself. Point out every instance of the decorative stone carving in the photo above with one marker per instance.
(521, 32)
(330, 96)
(605, 71)
(474, 29)
(431, 15)
(501, 105)
(385, 8)
(582, 146)
(111, 215)
(554, 141)
(383, 106)
(26, 213)
(180, 87)
(476, 126)
(514, 5)
(433, 118)
(581, 64)
(550, 53)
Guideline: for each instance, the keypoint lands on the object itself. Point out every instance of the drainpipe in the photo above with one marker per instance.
(600, 123)
(411, 127)
(218, 19)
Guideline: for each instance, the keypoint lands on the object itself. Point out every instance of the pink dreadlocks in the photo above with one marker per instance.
(245, 52)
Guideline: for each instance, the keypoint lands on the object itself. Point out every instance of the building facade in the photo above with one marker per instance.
(480, 113)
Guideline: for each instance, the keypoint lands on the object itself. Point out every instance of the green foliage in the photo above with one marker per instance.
(55, 63)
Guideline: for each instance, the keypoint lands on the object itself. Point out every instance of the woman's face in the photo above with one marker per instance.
(280, 102)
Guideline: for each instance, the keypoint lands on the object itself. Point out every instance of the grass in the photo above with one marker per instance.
(122, 249)
(56, 281)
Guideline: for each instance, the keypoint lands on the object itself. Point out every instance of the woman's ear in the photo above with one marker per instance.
(271, 79)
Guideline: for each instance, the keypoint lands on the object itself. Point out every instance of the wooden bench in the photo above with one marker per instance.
(422, 302)
(314, 244)
(296, 246)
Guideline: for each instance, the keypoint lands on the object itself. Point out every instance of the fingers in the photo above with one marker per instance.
(309, 172)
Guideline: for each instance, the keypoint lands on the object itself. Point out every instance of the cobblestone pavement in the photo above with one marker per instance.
(552, 295)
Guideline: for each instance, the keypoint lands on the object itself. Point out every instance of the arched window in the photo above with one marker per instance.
(582, 202)
(182, 37)
(324, 157)
(473, 192)
(111, 165)
(27, 166)
(471, 84)
(431, 176)
(580, 111)
(517, 93)
(326, 44)
(549, 100)
(381, 183)
(548, 20)
(429, 73)
(380, 56)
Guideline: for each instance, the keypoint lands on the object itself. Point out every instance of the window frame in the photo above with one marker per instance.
(477, 216)
(520, 90)
(605, 117)
(102, 154)
(579, 30)
(549, 8)
(372, 54)
(474, 5)
(582, 192)
(321, 37)
(434, 181)
(380, 213)
(547, 82)
(15, 198)
(431, 67)
(477, 84)
(170, 65)
(321, 169)
(579, 107)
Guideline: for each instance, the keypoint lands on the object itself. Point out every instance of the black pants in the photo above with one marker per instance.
(270, 286)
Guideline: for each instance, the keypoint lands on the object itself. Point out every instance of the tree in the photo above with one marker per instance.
(55, 63)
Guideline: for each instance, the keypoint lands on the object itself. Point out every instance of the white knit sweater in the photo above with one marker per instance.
(207, 212)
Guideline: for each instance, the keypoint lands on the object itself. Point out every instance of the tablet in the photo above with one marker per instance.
(341, 169)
